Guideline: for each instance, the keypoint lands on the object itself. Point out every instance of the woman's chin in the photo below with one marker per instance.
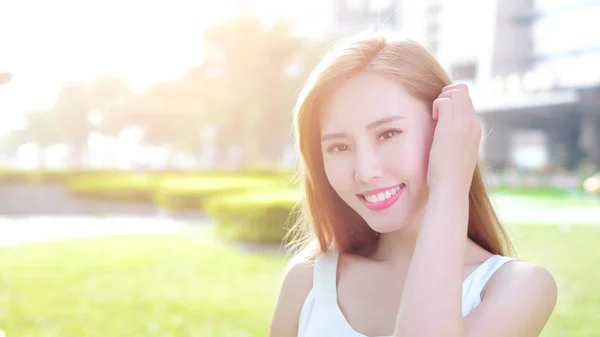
(387, 226)
(394, 219)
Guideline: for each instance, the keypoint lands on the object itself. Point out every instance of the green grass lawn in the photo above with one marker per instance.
(575, 200)
(572, 256)
(192, 285)
(164, 286)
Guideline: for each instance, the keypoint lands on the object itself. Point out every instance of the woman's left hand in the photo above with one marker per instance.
(455, 148)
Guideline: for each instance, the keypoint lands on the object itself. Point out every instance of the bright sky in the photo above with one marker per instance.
(45, 43)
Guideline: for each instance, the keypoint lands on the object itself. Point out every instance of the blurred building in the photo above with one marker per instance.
(322, 18)
(534, 70)
(342, 17)
(533, 66)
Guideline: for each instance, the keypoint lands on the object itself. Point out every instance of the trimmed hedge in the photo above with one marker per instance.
(192, 193)
(47, 176)
(114, 186)
(42, 176)
(258, 217)
(8, 176)
(169, 190)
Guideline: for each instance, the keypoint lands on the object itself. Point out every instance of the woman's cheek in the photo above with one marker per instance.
(338, 171)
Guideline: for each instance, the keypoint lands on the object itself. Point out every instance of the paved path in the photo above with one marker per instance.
(16, 230)
(24, 229)
(517, 210)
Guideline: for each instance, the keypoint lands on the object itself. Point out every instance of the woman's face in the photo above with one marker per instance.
(375, 141)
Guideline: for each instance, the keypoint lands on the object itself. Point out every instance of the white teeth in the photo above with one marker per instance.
(381, 196)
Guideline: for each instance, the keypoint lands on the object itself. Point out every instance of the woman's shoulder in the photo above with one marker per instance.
(299, 272)
(523, 287)
(520, 276)
(299, 275)
(295, 287)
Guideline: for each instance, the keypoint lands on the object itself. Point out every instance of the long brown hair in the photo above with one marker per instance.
(326, 222)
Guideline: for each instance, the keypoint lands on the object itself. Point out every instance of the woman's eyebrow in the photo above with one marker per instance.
(371, 125)
(384, 120)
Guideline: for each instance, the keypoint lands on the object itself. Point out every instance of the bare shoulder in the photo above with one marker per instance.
(524, 279)
(298, 276)
(297, 283)
(520, 293)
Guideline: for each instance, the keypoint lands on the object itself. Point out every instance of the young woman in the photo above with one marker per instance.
(407, 242)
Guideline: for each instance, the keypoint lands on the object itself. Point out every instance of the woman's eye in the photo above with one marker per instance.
(337, 148)
(388, 134)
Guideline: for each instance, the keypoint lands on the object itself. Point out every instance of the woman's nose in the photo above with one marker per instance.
(368, 166)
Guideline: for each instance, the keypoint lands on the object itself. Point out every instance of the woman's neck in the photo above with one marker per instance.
(396, 248)
(399, 245)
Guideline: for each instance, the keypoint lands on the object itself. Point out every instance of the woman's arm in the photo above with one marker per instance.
(517, 302)
(432, 295)
(296, 285)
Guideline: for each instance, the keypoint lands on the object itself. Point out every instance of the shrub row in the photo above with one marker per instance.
(10, 176)
(246, 206)
(192, 193)
(44, 176)
(168, 190)
(114, 186)
(259, 217)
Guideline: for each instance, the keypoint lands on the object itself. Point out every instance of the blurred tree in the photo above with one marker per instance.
(169, 113)
(71, 109)
(246, 86)
(82, 107)
(109, 99)
(5, 77)
(254, 70)
(41, 128)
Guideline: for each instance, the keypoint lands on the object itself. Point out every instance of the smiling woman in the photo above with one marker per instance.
(392, 138)
(398, 237)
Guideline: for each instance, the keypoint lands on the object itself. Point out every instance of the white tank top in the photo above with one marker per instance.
(322, 316)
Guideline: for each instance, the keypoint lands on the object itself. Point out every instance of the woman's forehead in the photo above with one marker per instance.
(367, 98)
